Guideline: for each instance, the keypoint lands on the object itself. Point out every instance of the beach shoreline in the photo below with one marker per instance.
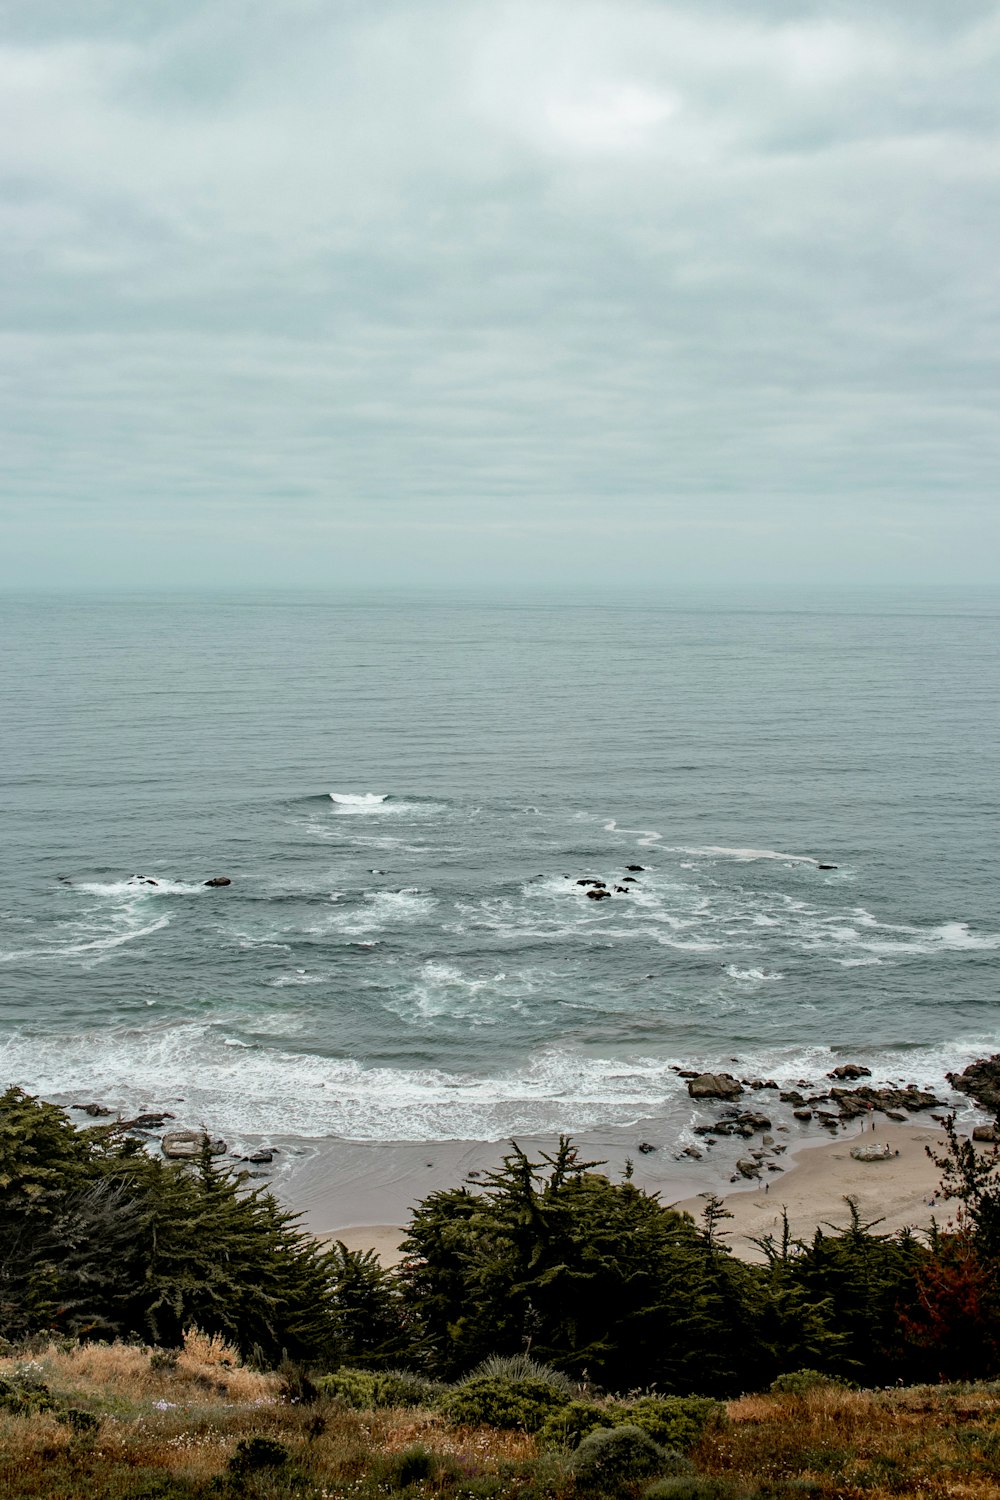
(898, 1191)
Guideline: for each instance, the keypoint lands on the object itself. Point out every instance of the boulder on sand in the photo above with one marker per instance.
(186, 1145)
(714, 1086)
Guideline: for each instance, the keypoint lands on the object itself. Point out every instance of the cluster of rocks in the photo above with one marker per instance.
(597, 890)
(178, 1145)
(981, 1081)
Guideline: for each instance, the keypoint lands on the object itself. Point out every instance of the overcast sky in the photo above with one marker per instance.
(400, 291)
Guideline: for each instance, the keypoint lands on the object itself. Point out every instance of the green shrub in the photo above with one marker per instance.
(80, 1420)
(675, 1421)
(672, 1421)
(522, 1367)
(365, 1390)
(696, 1487)
(483, 1401)
(417, 1465)
(22, 1394)
(256, 1453)
(801, 1382)
(164, 1360)
(616, 1456)
(566, 1426)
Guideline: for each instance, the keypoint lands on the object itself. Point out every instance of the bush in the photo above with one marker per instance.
(417, 1464)
(366, 1390)
(675, 1421)
(81, 1421)
(568, 1425)
(522, 1367)
(801, 1382)
(672, 1421)
(613, 1457)
(256, 1453)
(695, 1487)
(483, 1401)
(22, 1394)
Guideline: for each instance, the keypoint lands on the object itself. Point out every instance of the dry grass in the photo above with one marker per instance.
(935, 1443)
(169, 1428)
(127, 1372)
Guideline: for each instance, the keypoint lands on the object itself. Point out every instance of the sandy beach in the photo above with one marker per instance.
(818, 1178)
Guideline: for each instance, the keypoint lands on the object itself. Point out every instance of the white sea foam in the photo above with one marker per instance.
(378, 911)
(102, 944)
(138, 885)
(235, 1086)
(359, 799)
(755, 976)
(745, 855)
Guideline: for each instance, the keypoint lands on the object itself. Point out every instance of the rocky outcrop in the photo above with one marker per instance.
(589, 880)
(747, 1167)
(599, 895)
(850, 1072)
(219, 880)
(96, 1111)
(714, 1086)
(855, 1102)
(187, 1145)
(746, 1124)
(635, 867)
(988, 1134)
(981, 1081)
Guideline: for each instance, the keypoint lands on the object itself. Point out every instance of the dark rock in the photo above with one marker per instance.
(219, 880)
(621, 890)
(599, 895)
(747, 1167)
(850, 1071)
(145, 1122)
(629, 880)
(714, 1086)
(645, 1147)
(802, 1114)
(96, 1111)
(826, 867)
(687, 1073)
(863, 1100)
(257, 1157)
(635, 867)
(693, 1152)
(981, 1081)
(589, 880)
(894, 1114)
(792, 1096)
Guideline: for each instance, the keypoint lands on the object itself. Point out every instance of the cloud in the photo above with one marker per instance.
(445, 271)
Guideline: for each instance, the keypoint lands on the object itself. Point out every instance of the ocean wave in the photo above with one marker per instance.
(358, 799)
(209, 1074)
(746, 856)
(105, 943)
(140, 885)
(751, 976)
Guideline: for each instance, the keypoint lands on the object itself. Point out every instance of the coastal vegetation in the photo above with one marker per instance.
(168, 1330)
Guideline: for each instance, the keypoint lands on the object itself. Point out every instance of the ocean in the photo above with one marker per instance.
(405, 789)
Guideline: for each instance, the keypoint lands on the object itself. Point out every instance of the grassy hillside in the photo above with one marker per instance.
(127, 1422)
